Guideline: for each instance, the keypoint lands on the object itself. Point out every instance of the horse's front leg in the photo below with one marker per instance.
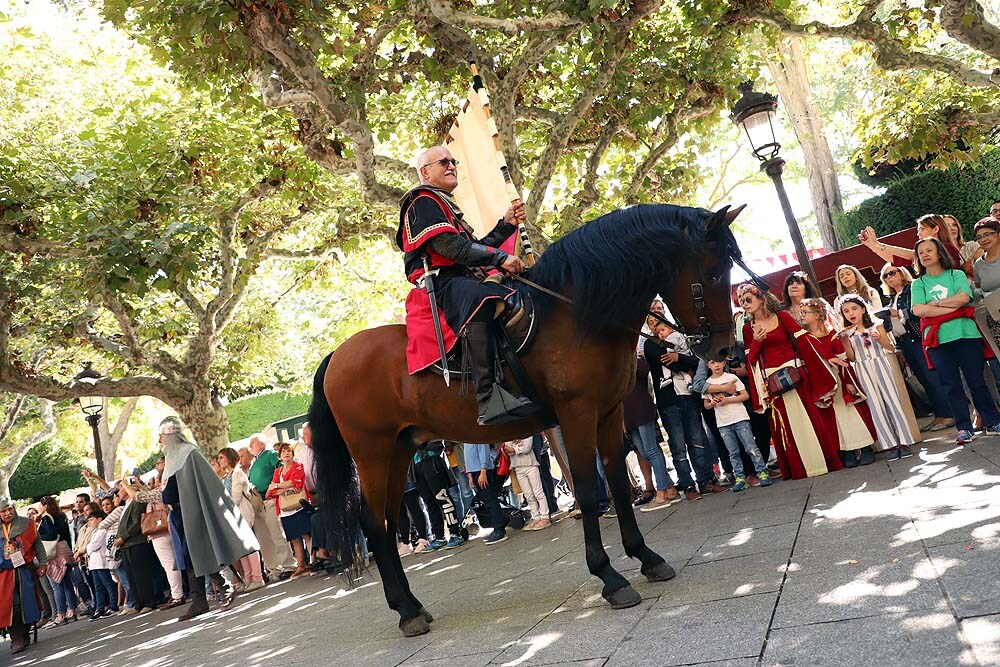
(579, 427)
(610, 446)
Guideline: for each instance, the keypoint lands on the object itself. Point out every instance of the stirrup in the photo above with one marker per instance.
(503, 407)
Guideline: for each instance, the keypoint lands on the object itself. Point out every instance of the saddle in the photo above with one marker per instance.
(514, 331)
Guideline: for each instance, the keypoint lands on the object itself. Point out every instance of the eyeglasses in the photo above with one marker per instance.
(746, 300)
(986, 235)
(890, 273)
(444, 162)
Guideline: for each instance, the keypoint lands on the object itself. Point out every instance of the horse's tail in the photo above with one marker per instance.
(336, 476)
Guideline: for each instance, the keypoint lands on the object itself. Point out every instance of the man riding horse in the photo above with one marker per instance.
(433, 234)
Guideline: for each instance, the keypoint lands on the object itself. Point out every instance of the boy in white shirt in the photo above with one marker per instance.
(733, 422)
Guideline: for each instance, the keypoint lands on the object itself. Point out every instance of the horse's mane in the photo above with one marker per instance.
(613, 266)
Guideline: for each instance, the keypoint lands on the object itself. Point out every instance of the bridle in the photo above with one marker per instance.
(700, 338)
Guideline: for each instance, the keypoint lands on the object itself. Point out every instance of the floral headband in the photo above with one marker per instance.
(819, 304)
(750, 287)
(841, 300)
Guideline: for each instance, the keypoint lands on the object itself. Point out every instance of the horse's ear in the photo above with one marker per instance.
(716, 219)
(733, 214)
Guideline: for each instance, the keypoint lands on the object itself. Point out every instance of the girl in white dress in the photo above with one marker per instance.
(868, 346)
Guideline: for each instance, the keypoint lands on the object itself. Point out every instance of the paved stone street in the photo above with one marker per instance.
(884, 565)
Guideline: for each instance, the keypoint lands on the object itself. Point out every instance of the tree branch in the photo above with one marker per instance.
(446, 12)
(588, 195)
(890, 53)
(618, 47)
(270, 36)
(970, 119)
(965, 20)
(13, 460)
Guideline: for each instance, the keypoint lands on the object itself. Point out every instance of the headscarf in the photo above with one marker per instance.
(176, 446)
(5, 503)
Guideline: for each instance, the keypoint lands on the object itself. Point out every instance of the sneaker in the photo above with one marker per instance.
(942, 424)
(753, 480)
(905, 452)
(993, 430)
(436, 545)
(421, 546)
(610, 513)
(128, 611)
(739, 485)
(254, 586)
(542, 524)
(765, 479)
(692, 494)
(673, 496)
(495, 536)
(655, 504)
(866, 456)
(725, 480)
(711, 487)
(964, 437)
(892, 454)
(454, 542)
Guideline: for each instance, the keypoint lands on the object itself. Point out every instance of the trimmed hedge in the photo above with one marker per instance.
(46, 471)
(249, 415)
(963, 191)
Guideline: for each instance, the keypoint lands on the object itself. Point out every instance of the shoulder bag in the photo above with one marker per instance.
(154, 521)
(288, 501)
(787, 378)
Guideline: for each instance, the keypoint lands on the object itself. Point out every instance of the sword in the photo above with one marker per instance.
(428, 279)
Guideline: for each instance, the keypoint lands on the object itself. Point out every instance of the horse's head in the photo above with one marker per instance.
(700, 296)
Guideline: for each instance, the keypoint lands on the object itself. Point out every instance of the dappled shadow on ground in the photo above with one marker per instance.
(878, 565)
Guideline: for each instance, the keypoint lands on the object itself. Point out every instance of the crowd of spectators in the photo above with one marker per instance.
(810, 388)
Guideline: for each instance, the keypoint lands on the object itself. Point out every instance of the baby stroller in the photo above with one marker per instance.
(479, 513)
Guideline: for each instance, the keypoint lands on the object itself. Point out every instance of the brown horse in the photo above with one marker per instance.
(368, 414)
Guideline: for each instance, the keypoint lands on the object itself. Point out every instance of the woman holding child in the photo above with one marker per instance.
(779, 349)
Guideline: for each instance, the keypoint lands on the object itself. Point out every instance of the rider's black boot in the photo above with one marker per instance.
(496, 404)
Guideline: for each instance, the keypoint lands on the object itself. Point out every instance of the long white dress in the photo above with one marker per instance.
(891, 412)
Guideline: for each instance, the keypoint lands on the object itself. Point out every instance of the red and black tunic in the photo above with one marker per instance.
(426, 213)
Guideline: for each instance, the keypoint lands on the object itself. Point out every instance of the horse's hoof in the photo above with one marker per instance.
(414, 627)
(659, 572)
(427, 615)
(623, 598)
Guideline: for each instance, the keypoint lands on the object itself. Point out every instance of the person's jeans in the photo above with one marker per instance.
(82, 585)
(687, 439)
(123, 580)
(913, 352)
(105, 591)
(964, 355)
(740, 433)
(462, 494)
(603, 499)
(488, 496)
(644, 440)
(64, 594)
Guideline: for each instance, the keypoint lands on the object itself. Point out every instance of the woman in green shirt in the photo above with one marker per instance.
(942, 298)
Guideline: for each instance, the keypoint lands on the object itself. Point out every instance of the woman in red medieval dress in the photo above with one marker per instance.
(850, 418)
(775, 341)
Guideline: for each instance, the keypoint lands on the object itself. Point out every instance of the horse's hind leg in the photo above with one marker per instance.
(376, 462)
(580, 433)
(610, 446)
(394, 496)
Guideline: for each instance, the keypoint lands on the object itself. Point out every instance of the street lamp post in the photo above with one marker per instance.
(754, 112)
(92, 407)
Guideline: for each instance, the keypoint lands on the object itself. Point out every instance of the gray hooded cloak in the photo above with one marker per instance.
(208, 526)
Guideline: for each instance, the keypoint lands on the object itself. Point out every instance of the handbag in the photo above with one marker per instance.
(114, 552)
(50, 548)
(289, 500)
(787, 378)
(155, 522)
(503, 462)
